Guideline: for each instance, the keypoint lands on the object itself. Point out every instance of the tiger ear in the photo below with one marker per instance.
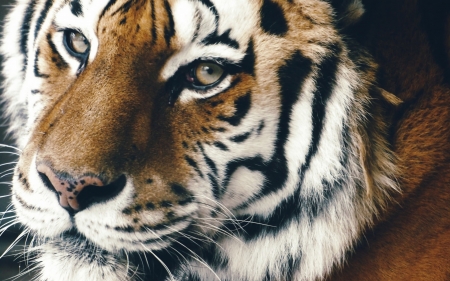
(347, 12)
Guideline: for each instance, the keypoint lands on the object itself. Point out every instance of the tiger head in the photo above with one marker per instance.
(170, 129)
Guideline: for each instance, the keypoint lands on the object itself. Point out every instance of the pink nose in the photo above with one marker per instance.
(68, 191)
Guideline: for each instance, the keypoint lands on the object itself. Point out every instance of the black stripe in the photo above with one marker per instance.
(290, 266)
(107, 7)
(154, 34)
(209, 255)
(25, 31)
(324, 89)
(217, 192)
(291, 78)
(272, 19)
(253, 164)
(297, 206)
(169, 31)
(221, 146)
(198, 24)
(242, 106)
(76, 8)
(248, 62)
(260, 127)
(191, 276)
(241, 138)
(180, 190)
(194, 165)
(24, 204)
(317, 205)
(209, 162)
(42, 17)
(213, 9)
(124, 8)
(37, 72)
(225, 39)
(151, 268)
(59, 60)
(218, 129)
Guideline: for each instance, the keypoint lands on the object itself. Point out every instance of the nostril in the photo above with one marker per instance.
(75, 195)
(93, 194)
(47, 182)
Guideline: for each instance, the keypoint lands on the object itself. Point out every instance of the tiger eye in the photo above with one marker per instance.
(208, 73)
(78, 42)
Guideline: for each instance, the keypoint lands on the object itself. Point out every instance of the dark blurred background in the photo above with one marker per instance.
(10, 265)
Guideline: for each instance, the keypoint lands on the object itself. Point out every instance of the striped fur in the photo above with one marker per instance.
(271, 173)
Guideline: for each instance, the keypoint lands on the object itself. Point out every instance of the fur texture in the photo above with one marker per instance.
(412, 240)
(132, 167)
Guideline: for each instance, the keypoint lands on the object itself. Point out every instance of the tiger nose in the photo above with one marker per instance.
(77, 194)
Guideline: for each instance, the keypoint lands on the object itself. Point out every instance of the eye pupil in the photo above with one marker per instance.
(208, 73)
(208, 70)
(77, 43)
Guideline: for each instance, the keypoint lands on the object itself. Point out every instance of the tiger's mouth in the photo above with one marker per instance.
(149, 264)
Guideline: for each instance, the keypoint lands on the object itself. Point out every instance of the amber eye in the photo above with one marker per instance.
(206, 74)
(76, 43)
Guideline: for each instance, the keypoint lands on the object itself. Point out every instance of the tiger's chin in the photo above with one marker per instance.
(74, 257)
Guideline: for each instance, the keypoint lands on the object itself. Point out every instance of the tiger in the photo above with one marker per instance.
(193, 139)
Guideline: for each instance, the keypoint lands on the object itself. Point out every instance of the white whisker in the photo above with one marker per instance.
(196, 257)
(6, 175)
(9, 163)
(162, 263)
(14, 243)
(9, 146)
(9, 171)
(9, 152)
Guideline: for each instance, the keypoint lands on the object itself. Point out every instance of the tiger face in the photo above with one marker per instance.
(190, 134)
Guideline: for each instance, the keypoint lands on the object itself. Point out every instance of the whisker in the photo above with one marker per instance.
(214, 209)
(9, 146)
(209, 239)
(8, 225)
(180, 254)
(223, 207)
(182, 234)
(220, 230)
(9, 210)
(7, 171)
(9, 152)
(14, 243)
(244, 221)
(6, 218)
(196, 257)
(9, 163)
(7, 175)
(162, 263)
